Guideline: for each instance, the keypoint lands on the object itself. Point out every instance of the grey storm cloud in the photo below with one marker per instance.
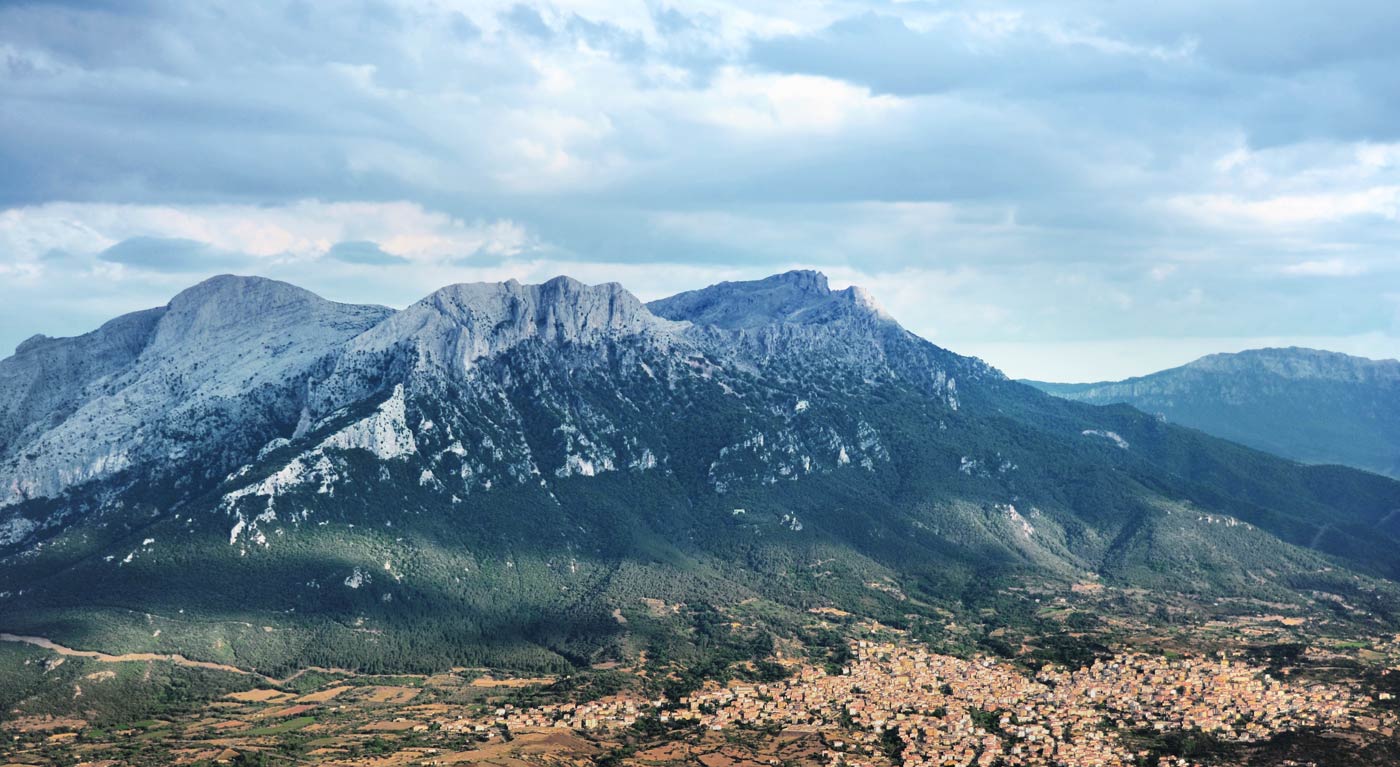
(171, 254)
(1283, 72)
(527, 20)
(363, 252)
(1079, 170)
(884, 53)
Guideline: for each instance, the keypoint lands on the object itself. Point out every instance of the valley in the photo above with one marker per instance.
(1228, 690)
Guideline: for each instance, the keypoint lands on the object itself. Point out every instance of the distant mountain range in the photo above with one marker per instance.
(1309, 405)
(551, 475)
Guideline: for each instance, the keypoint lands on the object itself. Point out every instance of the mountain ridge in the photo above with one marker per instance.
(802, 296)
(216, 342)
(1310, 405)
(495, 470)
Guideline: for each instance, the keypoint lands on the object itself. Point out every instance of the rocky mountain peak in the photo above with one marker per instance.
(459, 324)
(31, 343)
(1311, 405)
(248, 316)
(217, 367)
(804, 280)
(1298, 363)
(799, 297)
(561, 309)
(239, 291)
(228, 301)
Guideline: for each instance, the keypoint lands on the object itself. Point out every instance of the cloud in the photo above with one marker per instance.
(1281, 73)
(789, 104)
(1161, 272)
(363, 252)
(171, 254)
(1382, 202)
(1332, 267)
(879, 51)
(297, 231)
(527, 21)
(1023, 173)
(971, 49)
(463, 28)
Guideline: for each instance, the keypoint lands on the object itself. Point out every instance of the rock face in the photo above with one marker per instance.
(49, 378)
(235, 367)
(794, 298)
(1309, 405)
(1299, 364)
(795, 320)
(211, 375)
(460, 324)
(449, 332)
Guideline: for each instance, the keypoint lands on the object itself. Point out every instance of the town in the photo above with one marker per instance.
(891, 701)
(947, 711)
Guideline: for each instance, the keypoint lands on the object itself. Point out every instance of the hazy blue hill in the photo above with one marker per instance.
(1309, 405)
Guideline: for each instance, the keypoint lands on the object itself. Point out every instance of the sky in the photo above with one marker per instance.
(1072, 190)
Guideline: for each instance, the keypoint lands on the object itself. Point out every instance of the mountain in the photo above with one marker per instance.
(547, 476)
(215, 369)
(1310, 405)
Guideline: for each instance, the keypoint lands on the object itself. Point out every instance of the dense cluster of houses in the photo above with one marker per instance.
(947, 711)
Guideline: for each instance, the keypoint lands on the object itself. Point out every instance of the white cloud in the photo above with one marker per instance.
(1162, 271)
(297, 231)
(1288, 210)
(1331, 267)
(1042, 173)
(767, 105)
